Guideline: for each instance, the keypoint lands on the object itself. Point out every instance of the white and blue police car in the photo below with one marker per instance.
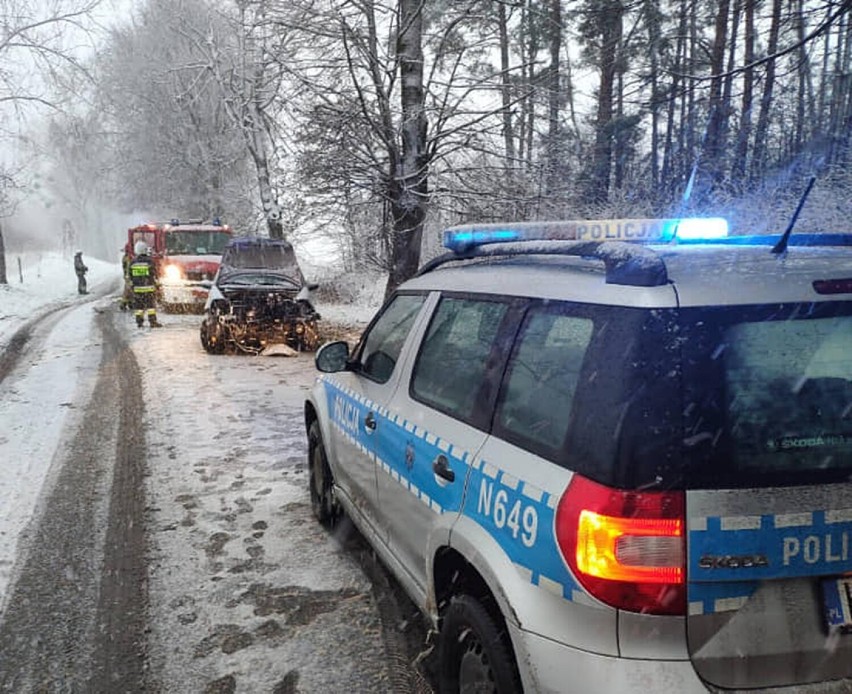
(610, 456)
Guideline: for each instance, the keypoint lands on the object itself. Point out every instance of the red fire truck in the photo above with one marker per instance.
(187, 255)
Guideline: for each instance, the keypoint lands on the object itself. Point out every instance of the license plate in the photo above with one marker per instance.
(837, 599)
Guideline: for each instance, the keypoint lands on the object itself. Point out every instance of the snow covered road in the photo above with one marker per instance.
(184, 498)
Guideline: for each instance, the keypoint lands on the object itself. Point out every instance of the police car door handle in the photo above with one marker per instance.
(442, 468)
(370, 421)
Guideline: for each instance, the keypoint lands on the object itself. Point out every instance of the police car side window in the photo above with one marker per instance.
(452, 364)
(536, 398)
(382, 344)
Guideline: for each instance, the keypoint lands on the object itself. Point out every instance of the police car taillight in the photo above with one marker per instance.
(626, 548)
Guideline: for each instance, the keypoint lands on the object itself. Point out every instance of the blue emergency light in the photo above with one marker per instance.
(697, 228)
(464, 237)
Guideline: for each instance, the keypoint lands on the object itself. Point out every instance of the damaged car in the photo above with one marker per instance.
(259, 301)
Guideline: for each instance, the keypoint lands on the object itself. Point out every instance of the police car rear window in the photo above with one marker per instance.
(768, 394)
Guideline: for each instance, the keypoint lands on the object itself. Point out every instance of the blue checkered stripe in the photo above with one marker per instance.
(516, 513)
(730, 555)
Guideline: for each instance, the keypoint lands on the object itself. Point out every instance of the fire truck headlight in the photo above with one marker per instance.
(172, 272)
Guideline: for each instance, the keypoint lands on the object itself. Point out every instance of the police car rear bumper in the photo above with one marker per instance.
(549, 666)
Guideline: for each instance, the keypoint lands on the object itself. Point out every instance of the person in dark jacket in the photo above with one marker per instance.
(81, 270)
(143, 279)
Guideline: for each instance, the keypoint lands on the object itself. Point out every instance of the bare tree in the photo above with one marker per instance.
(180, 152)
(34, 35)
(245, 64)
(403, 99)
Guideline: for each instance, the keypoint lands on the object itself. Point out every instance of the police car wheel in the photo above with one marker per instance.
(473, 653)
(319, 479)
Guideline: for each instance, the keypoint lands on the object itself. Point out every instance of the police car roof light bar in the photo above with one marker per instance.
(461, 238)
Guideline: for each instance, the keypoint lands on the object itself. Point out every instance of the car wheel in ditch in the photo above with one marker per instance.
(473, 653)
(210, 345)
(320, 480)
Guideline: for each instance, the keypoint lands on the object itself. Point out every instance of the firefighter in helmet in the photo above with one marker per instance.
(143, 279)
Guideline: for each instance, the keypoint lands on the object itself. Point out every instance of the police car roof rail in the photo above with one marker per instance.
(625, 263)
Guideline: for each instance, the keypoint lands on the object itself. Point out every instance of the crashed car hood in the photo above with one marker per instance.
(258, 281)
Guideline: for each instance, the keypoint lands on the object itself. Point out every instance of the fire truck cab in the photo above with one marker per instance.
(186, 255)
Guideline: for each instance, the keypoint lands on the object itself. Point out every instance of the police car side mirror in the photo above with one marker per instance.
(332, 357)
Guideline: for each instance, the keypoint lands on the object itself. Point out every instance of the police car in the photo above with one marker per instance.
(608, 456)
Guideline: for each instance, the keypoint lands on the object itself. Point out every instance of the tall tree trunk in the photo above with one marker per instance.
(409, 189)
(799, 127)
(728, 86)
(620, 134)
(3, 278)
(823, 84)
(506, 87)
(759, 155)
(652, 23)
(554, 97)
(611, 19)
(713, 145)
(258, 149)
(673, 148)
(530, 46)
(739, 167)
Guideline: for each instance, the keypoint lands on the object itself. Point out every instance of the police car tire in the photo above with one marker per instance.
(320, 479)
(469, 631)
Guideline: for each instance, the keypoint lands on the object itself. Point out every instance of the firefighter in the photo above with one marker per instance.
(144, 281)
(127, 292)
(81, 270)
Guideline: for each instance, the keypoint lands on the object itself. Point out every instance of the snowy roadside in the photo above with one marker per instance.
(245, 587)
(246, 591)
(40, 407)
(40, 281)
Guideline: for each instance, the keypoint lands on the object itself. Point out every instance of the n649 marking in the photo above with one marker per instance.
(520, 519)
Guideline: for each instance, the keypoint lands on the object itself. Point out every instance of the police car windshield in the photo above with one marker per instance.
(768, 394)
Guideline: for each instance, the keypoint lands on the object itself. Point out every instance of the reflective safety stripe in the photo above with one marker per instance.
(521, 519)
(144, 290)
(730, 555)
(737, 548)
(517, 514)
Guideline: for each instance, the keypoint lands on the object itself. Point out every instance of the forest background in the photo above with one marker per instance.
(369, 125)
